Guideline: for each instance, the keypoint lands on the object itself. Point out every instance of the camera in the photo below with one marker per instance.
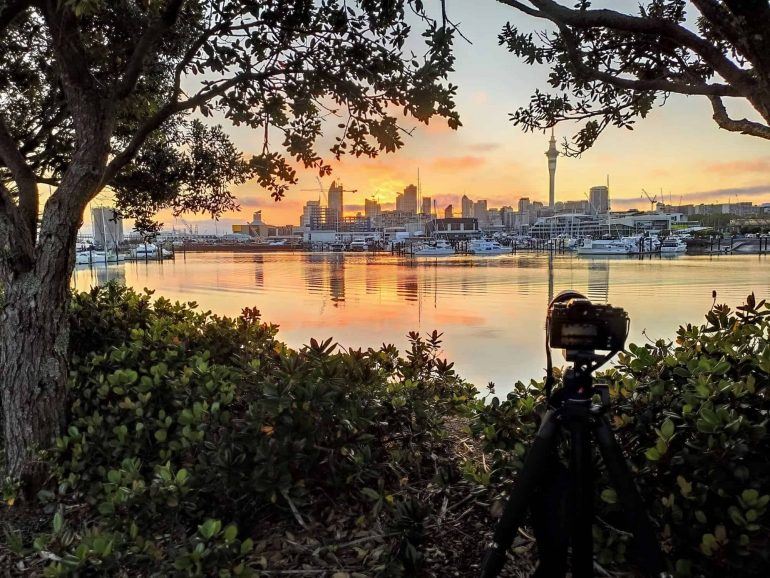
(576, 324)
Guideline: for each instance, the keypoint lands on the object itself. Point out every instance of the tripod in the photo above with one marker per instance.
(572, 408)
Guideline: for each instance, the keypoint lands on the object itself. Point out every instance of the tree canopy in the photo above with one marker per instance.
(609, 68)
(141, 68)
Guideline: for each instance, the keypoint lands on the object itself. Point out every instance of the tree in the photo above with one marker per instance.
(99, 94)
(610, 67)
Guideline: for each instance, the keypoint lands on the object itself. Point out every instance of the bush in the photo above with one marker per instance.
(190, 435)
(692, 418)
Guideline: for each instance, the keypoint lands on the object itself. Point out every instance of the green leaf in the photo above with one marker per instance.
(231, 532)
(610, 496)
(667, 429)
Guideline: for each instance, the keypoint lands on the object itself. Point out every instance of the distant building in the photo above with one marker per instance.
(397, 218)
(467, 208)
(449, 212)
(599, 197)
(480, 213)
(454, 228)
(524, 204)
(400, 202)
(427, 209)
(336, 202)
(108, 227)
(373, 211)
(410, 199)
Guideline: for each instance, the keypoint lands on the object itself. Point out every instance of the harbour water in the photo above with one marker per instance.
(491, 310)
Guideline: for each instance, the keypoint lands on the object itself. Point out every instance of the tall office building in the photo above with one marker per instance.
(480, 212)
(336, 202)
(410, 199)
(108, 227)
(524, 204)
(599, 197)
(373, 211)
(449, 212)
(400, 202)
(427, 208)
(552, 155)
(311, 213)
(467, 207)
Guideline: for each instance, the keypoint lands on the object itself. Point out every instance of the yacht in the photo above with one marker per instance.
(337, 246)
(93, 257)
(437, 249)
(149, 251)
(673, 245)
(606, 247)
(485, 247)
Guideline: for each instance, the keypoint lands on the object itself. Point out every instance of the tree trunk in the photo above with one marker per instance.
(34, 331)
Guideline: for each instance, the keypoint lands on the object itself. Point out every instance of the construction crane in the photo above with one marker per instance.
(322, 193)
(651, 199)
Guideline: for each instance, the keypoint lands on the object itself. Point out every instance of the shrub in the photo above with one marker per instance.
(190, 434)
(692, 418)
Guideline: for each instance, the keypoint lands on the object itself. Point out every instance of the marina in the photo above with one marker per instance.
(489, 308)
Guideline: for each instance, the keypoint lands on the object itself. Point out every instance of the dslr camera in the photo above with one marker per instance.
(576, 324)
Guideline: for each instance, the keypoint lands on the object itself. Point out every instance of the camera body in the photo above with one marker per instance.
(576, 324)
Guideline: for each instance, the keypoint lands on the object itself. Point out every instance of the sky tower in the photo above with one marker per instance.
(552, 153)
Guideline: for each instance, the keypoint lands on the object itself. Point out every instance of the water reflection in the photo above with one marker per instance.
(491, 310)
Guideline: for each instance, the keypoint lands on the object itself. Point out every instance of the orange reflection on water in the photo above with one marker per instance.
(491, 310)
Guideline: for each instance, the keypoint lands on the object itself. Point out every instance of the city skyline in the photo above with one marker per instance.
(490, 158)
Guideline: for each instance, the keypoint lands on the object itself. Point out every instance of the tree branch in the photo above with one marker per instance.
(11, 11)
(146, 43)
(655, 84)
(743, 126)
(586, 19)
(24, 179)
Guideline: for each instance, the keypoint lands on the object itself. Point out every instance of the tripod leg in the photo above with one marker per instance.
(646, 544)
(535, 466)
(581, 466)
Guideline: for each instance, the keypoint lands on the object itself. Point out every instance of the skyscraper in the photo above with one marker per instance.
(427, 209)
(373, 211)
(599, 197)
(480, 212)
(400, 202)
(449, 212)
(336, 203)
(108, 227)
(552, 155)
(410, 199)
(467, 207)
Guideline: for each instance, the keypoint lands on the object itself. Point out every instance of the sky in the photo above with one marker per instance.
(677, 151)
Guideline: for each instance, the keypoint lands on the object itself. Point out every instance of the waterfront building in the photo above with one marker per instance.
(336, 202)
(373, 211)
(599, 198)
(397, 218)
(552, 153)
(456, 228)
(107, 226)
(619, 224)
(467, 208)
(410, 199)
(449, 212)
(427, 209)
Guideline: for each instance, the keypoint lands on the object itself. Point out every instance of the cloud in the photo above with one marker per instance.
(713, 195)
(757, 165)
(463, 163)
(484, 147)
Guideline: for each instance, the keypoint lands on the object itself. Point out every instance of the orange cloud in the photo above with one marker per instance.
(463, 163)
(758, 165)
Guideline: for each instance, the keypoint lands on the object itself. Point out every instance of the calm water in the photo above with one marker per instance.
(491, 310)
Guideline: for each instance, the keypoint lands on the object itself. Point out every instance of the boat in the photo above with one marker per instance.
(150, 251)
(673, 245)
(437, 249)
(94, 257)
(337, 246)
(358, 245)
(486, 247)
(606, 247)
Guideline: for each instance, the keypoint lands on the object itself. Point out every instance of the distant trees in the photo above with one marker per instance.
(97, 94)
(609, 67)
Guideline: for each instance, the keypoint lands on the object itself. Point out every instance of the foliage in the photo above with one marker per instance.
(188, 432)
(609, 68)
(692, 418)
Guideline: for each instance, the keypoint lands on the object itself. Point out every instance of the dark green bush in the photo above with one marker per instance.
(189, 434)
(692, 418)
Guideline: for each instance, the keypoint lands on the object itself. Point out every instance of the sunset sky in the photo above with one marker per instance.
(678, 148)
